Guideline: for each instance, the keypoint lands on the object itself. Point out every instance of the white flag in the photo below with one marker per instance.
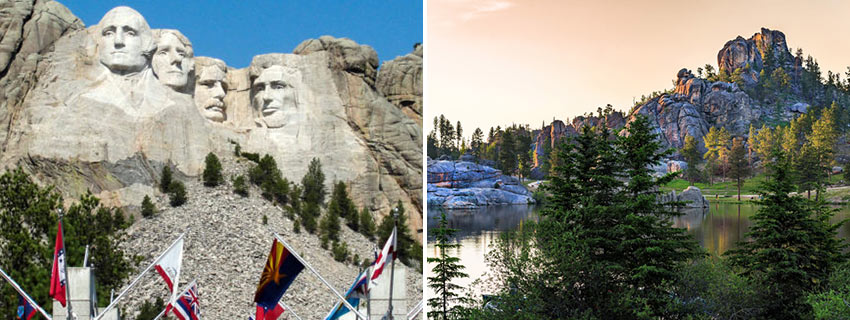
(168, 266)
(388, 254)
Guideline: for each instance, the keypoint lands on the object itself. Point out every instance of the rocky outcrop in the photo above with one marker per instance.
(80, 112)
(400, 80)
(747, 54)
(461, 184)
(691, 196)
(554, 133)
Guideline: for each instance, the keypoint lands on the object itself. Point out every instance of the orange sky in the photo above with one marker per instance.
(497, 62)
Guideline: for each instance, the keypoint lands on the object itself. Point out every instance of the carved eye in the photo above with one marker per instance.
(131, 33)
(278, 86)
(107, 33)
(161, 52)
(259, 87)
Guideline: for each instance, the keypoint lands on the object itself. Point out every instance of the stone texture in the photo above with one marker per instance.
(74, 118)
(554, 133)
(461, 184)
(694, 198)
(400, 80)
(741, 53)
(226, 246)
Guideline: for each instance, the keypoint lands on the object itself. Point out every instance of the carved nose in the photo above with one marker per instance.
(218, 91)
(119, 40)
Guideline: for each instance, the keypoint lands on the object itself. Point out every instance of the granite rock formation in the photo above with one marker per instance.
(400, 80)
(691, 196)
(104, 108)
(462, 184)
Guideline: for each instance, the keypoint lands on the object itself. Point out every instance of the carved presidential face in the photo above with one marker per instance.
(209, 92)
(125, 39)
(172, 61)
(274, 96)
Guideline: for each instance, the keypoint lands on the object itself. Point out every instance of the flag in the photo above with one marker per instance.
(58, 283)
(353, 296)
(266, 314)
(281, 269)
(25, 310)
(387, 255)
(168, 267)
(187, 306)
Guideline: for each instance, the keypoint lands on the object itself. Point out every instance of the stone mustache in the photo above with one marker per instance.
(107, 106)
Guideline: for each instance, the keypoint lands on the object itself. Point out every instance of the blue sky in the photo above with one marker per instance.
(236, 31)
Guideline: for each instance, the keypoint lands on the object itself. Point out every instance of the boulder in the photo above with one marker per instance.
(400, 80)
(693, 198)
(676, 165)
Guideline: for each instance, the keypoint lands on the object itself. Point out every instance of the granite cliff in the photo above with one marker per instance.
(95, 108)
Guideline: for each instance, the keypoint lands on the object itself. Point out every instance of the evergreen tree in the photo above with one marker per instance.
(176, 193)
(507, 155)
(477, 143)
(239, 186)
(692, 157)
(446, 270)
(793, 246)
(330, 225)
(739, 167)
(367, 223)
(458, 136)
(406, 243)
(313, 183)
(148, 209)
(343, 206)
(150, 310)
(767, 143)
(716, 141)
(212, 171)
(308, 216)
(165, 179)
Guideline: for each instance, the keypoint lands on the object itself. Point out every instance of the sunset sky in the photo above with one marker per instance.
(497, 62)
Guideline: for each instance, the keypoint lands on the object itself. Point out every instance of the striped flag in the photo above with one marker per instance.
(388, 254)
(187, 306)
(58, 280)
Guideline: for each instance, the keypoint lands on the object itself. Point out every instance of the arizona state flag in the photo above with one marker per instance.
(279, 272)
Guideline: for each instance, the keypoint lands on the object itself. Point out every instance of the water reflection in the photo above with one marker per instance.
(718, 229)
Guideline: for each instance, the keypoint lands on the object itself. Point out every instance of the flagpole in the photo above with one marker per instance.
(285, 308)
(416, 310)
(350, 307)
(112, 304)
(392, 262)
(65, 267)
(189, 286)
(24, 294)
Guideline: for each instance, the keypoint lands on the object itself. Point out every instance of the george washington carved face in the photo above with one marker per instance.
(125, 41)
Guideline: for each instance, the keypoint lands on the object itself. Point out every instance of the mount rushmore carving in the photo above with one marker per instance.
(105, 107)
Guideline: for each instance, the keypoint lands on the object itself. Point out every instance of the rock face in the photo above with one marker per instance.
(400, 80)
(555, 132)
(742, 53)
(461, 184)
(81, 111)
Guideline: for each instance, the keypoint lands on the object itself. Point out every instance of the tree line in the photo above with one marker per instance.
(605, 248)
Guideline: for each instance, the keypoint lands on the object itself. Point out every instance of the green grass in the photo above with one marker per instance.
(729, 188)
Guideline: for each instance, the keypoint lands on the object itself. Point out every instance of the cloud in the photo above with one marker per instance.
(449, 13)
(484, 8)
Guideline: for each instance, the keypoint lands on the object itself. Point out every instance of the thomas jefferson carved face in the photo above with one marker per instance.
(209, 91)
(172, 60)
(274, 96)
(125, 41)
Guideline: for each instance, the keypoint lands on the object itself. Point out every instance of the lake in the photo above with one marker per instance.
(717, 229)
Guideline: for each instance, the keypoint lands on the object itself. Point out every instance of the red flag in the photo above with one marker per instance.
(58, 283)
(265, 314)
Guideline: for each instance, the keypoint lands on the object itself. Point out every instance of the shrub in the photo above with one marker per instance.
(308, 217)
(325, 241)
(148, 209)
(165, 179)
(239, 186)
(313, 183)
(340, 251)
(265, 220)
(177, 193)
(212, 171)
(150, 310)
(255, 157)
(330, 225)
(296, 226)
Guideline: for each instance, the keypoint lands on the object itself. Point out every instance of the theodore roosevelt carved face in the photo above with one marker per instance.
(210, 88)
(274, 96)
(125, 41)
(172, 60)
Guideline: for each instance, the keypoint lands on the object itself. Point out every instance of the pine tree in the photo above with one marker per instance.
(716, 141)
(367, 223)
(165, 179)
(793, 246)
(330, 225)
(239, 186)
(212, 171)
(507, 155)
(739, 167)
(313, 183)
(477, 143)
(406, 242)
(692, 157)
(176, 193)
(148, 209)
(446, 270)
